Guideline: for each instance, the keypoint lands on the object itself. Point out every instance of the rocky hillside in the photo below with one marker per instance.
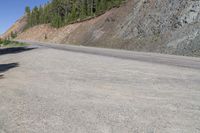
(164, 26)
(18, 27)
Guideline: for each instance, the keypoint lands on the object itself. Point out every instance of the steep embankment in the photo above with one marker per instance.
(18, 27)
(171, 27)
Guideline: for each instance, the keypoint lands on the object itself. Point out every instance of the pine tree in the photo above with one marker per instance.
(61, 12)
(13, 34)
(27, 10)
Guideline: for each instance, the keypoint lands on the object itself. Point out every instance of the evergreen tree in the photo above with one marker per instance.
(27, 10)
(61, 12)
(13, 34)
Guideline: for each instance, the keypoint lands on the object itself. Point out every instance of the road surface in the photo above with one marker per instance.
(67, 89)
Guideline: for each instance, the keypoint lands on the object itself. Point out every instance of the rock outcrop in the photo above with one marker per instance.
(175, 22)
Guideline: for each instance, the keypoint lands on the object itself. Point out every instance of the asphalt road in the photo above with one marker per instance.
(68, 89)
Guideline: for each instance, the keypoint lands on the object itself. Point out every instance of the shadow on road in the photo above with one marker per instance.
(14, 50)
(6, 67)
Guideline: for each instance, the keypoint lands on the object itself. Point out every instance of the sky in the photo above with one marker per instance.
(12, 10)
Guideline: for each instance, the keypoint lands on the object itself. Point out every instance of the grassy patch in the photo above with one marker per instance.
(9, 43)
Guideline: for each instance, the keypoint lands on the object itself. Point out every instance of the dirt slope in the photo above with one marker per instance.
(171, 27)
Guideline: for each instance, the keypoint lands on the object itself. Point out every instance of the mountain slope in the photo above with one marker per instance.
(171, 27)
(18, 27)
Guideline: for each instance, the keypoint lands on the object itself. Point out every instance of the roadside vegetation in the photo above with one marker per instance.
(10, 43)
(62, 12)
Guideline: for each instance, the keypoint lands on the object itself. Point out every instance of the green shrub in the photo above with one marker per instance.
(1, 41)
(6, 42)
(9, 43)
(13, 34)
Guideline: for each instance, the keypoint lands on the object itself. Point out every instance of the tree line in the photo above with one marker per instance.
(62, 12)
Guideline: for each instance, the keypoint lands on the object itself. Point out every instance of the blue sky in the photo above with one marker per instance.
(12, 10)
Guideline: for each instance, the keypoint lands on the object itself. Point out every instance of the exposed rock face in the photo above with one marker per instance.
(165, 26)
(176, 20)
(150, 17)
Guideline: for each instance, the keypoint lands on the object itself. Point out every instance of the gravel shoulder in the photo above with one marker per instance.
(59, 91)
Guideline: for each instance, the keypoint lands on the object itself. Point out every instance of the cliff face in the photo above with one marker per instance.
(165, 26)
(174, 22)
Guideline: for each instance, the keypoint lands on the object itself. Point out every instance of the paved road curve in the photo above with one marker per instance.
(66, 89)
